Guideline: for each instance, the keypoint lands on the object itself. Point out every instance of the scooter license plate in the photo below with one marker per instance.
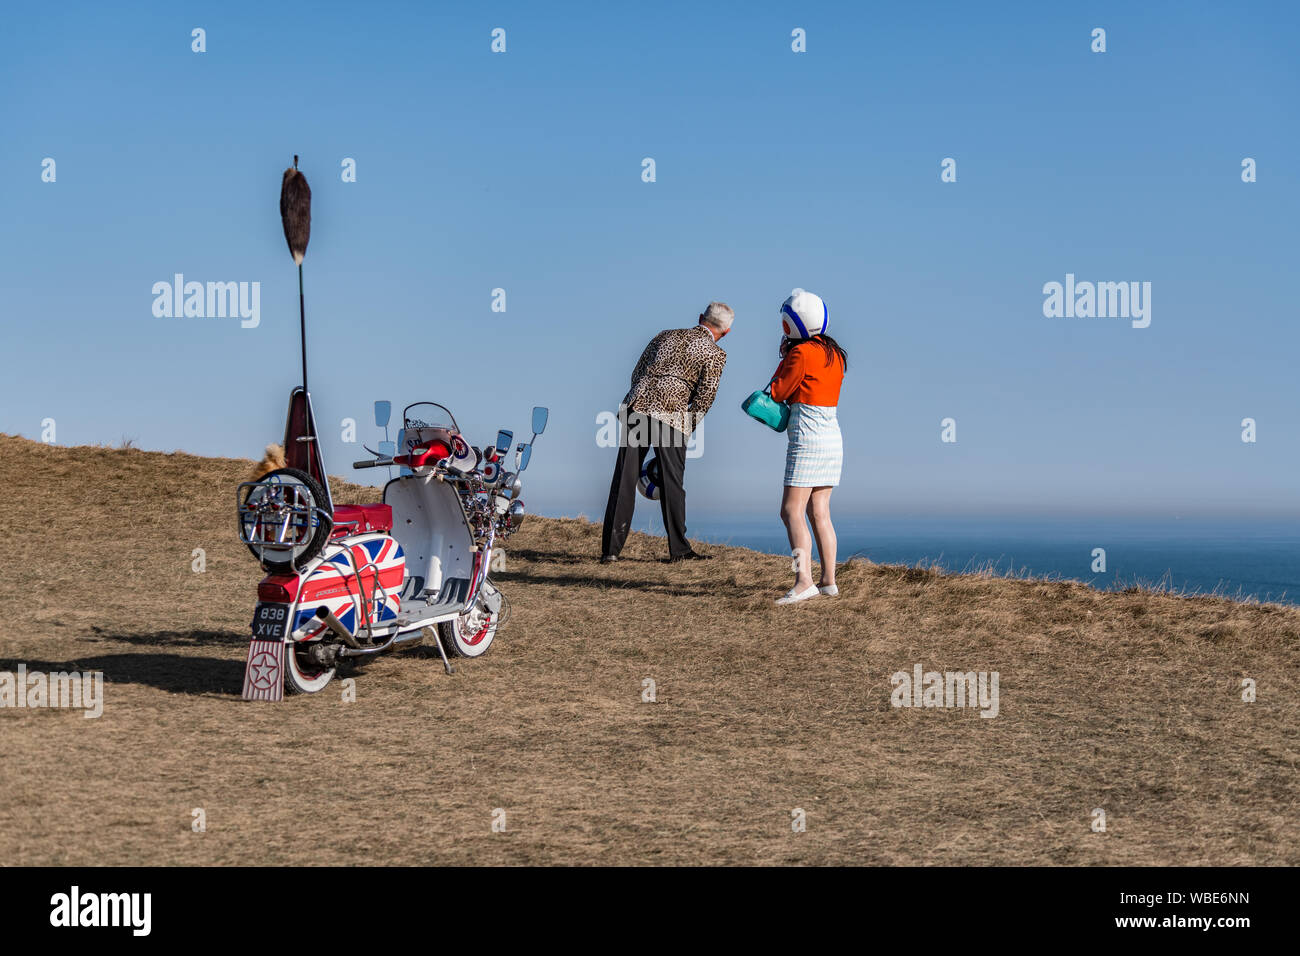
(270, 621)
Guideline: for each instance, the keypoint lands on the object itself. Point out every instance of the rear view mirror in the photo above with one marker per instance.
(387, 449)
(504, 440)
(539, 419)
(383, 412)
(522, 455)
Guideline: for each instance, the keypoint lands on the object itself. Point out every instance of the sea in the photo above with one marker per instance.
(1242, 558)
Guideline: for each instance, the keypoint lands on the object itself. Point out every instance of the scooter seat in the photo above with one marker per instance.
(360, 519)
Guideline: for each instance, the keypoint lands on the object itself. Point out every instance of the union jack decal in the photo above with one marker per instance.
(347, 574)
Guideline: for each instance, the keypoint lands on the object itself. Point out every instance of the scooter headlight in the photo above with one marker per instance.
(515, 516)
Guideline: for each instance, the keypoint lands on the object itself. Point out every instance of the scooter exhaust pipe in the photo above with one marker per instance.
(335, 625)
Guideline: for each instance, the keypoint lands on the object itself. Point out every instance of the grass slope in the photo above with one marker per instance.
(1130, 702)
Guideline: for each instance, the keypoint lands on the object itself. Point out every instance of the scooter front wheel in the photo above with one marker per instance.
(469, 634)
(301, 674)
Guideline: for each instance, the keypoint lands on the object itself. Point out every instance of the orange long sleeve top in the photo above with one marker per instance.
(810, 375)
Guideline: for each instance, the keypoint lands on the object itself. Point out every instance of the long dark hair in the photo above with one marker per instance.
(829, 344)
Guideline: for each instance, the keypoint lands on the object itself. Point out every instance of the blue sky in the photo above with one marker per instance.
(774, 169)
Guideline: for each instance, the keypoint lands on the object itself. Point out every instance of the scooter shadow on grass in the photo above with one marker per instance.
(704, 586)
(199, 638)
(175, 673)
(548, 557)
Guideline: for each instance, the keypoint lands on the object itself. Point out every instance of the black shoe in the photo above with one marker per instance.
(689, 556)
(608, 558)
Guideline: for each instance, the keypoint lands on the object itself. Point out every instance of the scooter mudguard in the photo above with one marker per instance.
(264, 672)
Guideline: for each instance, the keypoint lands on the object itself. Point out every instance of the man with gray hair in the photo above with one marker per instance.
(673, 388)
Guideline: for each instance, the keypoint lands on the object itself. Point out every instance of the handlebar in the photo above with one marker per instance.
(446, 475)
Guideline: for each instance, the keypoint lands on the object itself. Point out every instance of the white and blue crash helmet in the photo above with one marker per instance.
(650, 480)
(803, 315)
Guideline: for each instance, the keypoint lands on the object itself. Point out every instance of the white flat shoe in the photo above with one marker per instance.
(793, 597)
(830, 590)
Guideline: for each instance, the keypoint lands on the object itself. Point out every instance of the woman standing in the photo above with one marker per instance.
(809, 378)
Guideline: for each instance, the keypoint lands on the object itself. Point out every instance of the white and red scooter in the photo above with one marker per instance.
(347, 582)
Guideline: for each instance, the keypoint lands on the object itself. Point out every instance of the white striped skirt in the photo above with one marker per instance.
(816, 451)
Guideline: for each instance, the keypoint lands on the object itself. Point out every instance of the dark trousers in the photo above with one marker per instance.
(670, 449)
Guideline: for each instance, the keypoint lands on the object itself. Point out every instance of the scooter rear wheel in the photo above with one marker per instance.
(301, 674)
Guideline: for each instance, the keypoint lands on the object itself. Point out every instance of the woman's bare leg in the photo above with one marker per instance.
(819, 512)
(793, 503)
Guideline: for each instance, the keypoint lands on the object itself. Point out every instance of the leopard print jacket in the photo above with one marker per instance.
(677, 377)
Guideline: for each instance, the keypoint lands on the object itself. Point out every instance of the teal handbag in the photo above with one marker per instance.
(762, 407)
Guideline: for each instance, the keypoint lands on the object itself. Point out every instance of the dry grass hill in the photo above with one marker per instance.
(1127, 702)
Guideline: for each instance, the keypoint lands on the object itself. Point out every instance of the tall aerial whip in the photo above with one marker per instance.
(295, 214)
